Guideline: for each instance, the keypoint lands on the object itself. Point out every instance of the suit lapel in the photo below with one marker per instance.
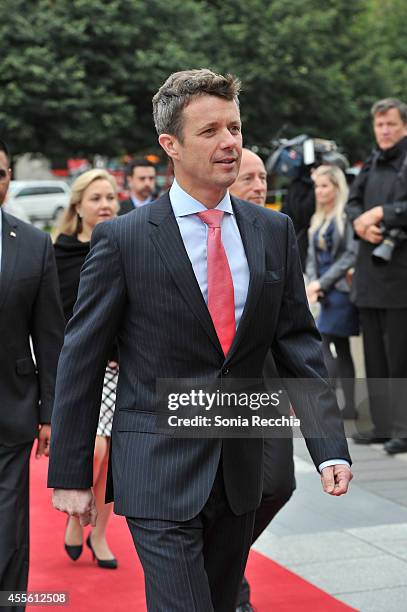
(168, 241)
(10, 245)
(252, 238)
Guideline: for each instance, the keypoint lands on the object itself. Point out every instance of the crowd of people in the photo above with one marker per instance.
(363, 234)
(204, 283)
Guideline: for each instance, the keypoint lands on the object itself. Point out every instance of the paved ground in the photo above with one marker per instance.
(355, 546)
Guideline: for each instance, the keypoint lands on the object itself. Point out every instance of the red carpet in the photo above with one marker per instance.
(92, 589)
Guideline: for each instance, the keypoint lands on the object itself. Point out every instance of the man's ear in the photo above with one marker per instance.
(170, 145)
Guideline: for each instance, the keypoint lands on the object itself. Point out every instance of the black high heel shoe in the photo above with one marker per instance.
(73, 551)
(104, 563)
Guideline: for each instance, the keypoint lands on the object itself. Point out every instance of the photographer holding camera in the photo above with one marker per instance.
(377, 207)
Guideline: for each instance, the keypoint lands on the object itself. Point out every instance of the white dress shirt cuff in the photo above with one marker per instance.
(325, 464)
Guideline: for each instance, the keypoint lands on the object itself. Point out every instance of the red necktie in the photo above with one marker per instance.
(221, 301)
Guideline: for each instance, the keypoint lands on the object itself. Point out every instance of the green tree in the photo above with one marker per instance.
(388, 24)
(77, 76)
(304, 66)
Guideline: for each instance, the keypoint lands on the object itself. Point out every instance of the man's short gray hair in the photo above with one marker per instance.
(180, 88)
(382, 106)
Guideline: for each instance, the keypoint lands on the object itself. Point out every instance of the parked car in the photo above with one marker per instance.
(40, 200)
(13, 208)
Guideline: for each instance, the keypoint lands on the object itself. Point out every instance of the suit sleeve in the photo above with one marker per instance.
(47, 331)
(297, 352)
(88, 341)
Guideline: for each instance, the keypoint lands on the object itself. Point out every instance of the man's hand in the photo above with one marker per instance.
(335, 479)
(366, 225)
(44, 440)
(76, 502)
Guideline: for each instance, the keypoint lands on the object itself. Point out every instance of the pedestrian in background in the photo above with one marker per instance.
(30, 315)
(93, 200)
(141, 177)
(331, 254)
(377, 208)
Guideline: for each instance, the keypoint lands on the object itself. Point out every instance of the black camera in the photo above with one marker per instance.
(391, 239)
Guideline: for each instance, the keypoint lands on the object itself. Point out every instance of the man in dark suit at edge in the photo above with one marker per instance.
(29, 309)
(152, 281)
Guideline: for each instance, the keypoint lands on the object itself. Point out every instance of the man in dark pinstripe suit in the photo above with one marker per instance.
(278, 466)
(189, 502)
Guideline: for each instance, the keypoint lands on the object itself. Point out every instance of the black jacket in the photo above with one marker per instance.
(126, 206)
(70, 255)
(29, 309)
(382, 182)
(299, 205)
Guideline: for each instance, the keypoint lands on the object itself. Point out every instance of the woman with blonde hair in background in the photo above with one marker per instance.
(331, 254)
(93, 200)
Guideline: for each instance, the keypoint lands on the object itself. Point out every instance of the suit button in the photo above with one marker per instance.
(225, 371)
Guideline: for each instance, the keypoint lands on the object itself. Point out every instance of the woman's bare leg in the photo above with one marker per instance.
(100, 465)
(73, 532)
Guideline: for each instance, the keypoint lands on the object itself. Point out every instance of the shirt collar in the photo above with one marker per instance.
(184, 204)
(138, 202)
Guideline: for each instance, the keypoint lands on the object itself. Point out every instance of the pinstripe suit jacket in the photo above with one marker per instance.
(138, 285)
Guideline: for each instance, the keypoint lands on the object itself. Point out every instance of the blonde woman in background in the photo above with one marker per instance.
(93, 200)
(331, 254)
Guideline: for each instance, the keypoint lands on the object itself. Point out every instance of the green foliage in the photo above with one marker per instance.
(77, 76)
(305, 65)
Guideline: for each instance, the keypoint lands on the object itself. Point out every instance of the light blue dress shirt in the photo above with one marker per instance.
(138, 203)
(194, 233)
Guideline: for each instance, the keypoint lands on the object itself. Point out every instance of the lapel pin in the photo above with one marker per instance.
(13, 234)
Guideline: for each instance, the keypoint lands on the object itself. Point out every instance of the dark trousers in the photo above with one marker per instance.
(342, 367)
(278, 486)
(14, 519)
(385, 342)
(196, 565)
